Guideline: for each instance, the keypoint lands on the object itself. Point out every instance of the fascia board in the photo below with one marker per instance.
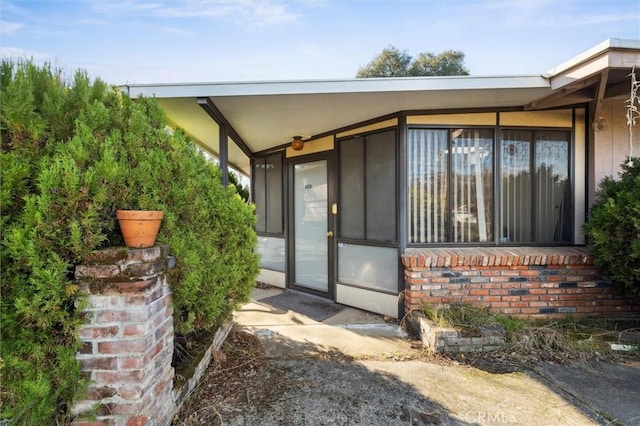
(374, 85)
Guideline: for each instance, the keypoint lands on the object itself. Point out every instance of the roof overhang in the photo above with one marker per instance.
(602, 72)
(269, 114)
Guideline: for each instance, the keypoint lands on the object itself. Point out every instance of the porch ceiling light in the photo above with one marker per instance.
(297, 144)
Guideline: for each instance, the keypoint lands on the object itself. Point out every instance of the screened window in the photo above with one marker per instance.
(535, 197)
(267, 194)
(367, 208)
(450, 185)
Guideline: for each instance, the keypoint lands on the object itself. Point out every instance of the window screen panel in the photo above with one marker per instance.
(471, 185)
(275, 217)
(552, 192)
(260, 194)
(515, 196)
(352, 191)
(380, 162)
(427, 180)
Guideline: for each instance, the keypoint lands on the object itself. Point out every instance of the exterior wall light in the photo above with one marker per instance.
(600, 124)
(297, 144)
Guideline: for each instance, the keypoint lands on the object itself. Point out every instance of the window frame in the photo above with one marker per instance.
(534, 203)
(497, 184)
(396, 201)
(254, 187)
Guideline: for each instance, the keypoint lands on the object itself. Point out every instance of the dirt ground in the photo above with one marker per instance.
(245, 387)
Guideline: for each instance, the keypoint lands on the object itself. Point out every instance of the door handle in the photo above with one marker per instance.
(330, 234)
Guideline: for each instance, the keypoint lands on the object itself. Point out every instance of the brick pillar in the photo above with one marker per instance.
(128, 338)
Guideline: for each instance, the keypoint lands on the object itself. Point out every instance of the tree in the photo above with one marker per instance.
(392, 62)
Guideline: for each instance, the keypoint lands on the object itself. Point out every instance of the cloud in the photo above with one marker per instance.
(9, 28)
(254, 13)
(91, 22)
(18, 53)
(552, 14)
(177, 31)
(604, 19)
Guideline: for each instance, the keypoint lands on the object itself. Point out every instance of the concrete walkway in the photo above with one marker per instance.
(399, 388)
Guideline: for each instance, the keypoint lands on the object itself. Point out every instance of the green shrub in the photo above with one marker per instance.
(460, 315)
(613, 228)
(71, 154)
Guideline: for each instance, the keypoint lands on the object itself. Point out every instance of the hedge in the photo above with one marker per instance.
(72, 153)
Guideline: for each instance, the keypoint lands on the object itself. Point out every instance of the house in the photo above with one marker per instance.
(382, 193)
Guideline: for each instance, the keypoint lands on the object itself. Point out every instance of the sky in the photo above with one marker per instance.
(174, 41)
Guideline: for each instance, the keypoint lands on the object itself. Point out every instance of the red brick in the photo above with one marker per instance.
(571, 264)
(569, 297)
(119, 377)
(530, 297)
(479, 292)
(460, 268)
(109, 316)
(88, 332)
(99, 363)
(473, 286)
(548, 297)
(491, 285)
(556, 278)
(528, 273)
(530, 284)
(538, 291)
(132, 362)
(125, 346)
(511, 285)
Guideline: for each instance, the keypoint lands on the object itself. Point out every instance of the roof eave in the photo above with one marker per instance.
(305, 87)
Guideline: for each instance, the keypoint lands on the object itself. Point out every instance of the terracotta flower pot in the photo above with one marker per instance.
(139, 227)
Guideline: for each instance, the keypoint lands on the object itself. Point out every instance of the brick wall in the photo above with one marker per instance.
(535, 282)
(128, 339)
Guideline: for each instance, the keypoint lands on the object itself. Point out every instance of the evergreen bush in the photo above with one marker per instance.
(613, 228)
(72, 153)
